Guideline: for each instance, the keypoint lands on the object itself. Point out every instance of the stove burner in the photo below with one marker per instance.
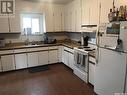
(82, 47)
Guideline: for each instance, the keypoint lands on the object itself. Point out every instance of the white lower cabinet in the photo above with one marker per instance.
(53, 56)
(8, 62)
(69, 57)
(66, 58)
(21, 61)
(42, 58)
(60, 53)
(91, 73)
(71, 60)
(32, 59)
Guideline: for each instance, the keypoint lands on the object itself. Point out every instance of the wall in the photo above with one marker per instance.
(25, 6)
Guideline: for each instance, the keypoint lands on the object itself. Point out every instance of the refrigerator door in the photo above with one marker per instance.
(123, 35)
(110, 72)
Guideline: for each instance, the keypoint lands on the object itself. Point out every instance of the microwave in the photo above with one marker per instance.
(113, 29)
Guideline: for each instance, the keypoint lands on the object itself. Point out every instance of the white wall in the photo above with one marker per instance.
(25, 6)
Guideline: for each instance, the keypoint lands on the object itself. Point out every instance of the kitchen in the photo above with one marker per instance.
(59, 47)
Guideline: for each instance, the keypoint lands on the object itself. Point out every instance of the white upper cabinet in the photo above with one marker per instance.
(15, 23)
(54, 18)
(4, 25)
(73, 16)
(58, 19)
(85, 11)
(94, 12)
(106, 5)
(49, 18)
(90, 12)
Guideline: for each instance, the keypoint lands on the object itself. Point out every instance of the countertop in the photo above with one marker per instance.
(69, 44)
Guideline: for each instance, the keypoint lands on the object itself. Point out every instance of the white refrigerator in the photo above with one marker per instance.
(111, 68)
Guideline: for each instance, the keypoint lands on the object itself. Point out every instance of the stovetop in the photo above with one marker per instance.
(85, 49)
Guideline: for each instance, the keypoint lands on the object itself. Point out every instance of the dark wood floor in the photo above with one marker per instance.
(58, 80)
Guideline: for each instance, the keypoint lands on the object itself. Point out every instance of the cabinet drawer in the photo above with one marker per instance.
(20, 51)
(92, 59)
(6, 52)
(37, 49)
(53, 47)
(69, 49)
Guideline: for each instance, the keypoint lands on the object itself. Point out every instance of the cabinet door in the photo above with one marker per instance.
(43, 58)
(0, 66)
(49, 15)
(73, 20)
(78, 20)
(91, 73)
(71, 60)
(15, 23)
(66, 19)
(60, 53)
(66, 58)
(53, 56)
(94, 12)
(4, 27)
(21, 61)
(8, 62)
(85, 12)
(57, 19)
(32, 59)
(105, 10)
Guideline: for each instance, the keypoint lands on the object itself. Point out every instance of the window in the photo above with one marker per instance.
(32, 23)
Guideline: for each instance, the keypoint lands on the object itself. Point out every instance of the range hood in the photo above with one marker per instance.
(89, 28)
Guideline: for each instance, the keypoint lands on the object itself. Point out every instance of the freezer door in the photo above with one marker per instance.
(110, 72)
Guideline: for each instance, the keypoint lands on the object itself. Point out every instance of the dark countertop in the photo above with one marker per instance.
(69, 44)
(22, 46)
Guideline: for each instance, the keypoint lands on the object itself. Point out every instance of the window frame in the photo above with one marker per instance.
(33, 15)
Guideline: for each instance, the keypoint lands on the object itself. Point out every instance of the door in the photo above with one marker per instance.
(33, 59)
(71, 60)
(110, 72)
(43, 57)
(8, 62)
(21, 61)
(53, 56)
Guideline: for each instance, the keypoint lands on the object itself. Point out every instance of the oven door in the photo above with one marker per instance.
(81, 60)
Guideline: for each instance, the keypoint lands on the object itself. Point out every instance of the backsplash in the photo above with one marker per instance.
(16, 38)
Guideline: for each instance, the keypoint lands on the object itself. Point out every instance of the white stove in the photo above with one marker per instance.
(81, 62)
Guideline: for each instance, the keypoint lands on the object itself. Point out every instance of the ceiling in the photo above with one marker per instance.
(52, 1)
